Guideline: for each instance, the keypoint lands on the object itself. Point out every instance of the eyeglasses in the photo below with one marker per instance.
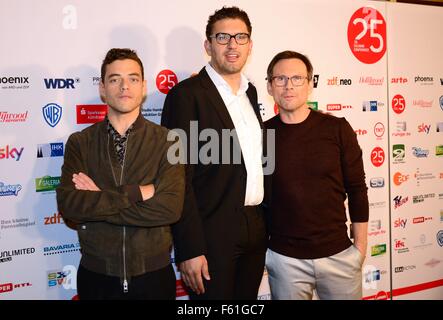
(225, 38)
(282, 81)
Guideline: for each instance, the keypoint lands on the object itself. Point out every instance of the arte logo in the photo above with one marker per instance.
(377, 156)
(8, 287)
(14, 82)
(419, 152)
(166, 80)
(91, 113)
(315, 79)
(400, 178)
(424, 80)
(378, 250)
(400, 246)
(398, 153)
(52, 113)
(398, 104)
(400, 223)
(56, 218)
(6, 117)
(46, 184)
(378, 182)
(8, 152)
(399, 201)
(59, 83)
(66, 278)
(400, 80)
(335, 81)
(379, 129)
(61, 248)
(6, 256)
(360, 132)
(424, 128)
(50, 150)
(372, 81)
(9, 189)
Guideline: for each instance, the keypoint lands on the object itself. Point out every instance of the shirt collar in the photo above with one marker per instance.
(219, 82)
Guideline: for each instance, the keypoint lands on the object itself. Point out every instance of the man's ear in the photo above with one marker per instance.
(208, 47)
(101, 90)
(269, 87)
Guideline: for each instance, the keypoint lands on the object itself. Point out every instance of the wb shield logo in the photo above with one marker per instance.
(52, 113)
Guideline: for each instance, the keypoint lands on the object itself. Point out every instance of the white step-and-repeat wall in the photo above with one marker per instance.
(377, 64)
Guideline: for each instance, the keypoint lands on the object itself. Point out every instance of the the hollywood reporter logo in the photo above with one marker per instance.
(209, 153)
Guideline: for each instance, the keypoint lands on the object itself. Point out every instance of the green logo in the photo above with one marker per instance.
(398, 152)
(439, 150)
(378, 249)
(313, 105)
(46, 183)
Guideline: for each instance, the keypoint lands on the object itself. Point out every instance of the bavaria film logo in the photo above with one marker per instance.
(52, 113)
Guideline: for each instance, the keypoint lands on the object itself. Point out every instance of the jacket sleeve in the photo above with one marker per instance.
(353, 174)
(165, 207)
(81, 205)
(179, 109)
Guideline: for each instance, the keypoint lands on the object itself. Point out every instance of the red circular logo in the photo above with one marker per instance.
(166, 79)
(379, 129)
(377, 156)
(367, 35)
(398, 104)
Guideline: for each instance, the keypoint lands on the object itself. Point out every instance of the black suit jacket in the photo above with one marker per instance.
(215, 193)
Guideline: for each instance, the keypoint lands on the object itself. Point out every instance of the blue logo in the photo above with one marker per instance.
(59, 83)
(440, 238)
(9, 189)
(441, 102)
(52, 113)
(50, 150)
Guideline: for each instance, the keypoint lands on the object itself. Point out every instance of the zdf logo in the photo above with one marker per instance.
(400, 178)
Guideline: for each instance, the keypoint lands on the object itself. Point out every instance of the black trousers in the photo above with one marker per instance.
(156, 285)
(236, 272)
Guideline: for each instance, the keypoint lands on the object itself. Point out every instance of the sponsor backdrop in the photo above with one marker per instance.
(377, 64)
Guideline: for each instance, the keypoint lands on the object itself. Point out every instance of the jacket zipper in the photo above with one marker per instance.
(125, 280)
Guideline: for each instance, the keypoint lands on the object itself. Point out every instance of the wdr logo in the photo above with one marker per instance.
(58, 83)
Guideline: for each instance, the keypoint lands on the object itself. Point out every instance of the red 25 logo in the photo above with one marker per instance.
(367, 35)
(166, 79)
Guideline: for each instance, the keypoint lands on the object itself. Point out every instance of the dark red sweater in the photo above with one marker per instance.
(318, 162)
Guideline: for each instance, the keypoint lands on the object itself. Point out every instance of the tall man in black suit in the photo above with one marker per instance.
(220, 241)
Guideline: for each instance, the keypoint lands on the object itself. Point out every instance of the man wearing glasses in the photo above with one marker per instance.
(318, 163)
(220, 242)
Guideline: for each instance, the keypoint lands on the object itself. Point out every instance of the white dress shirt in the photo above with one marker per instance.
(248, 131)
